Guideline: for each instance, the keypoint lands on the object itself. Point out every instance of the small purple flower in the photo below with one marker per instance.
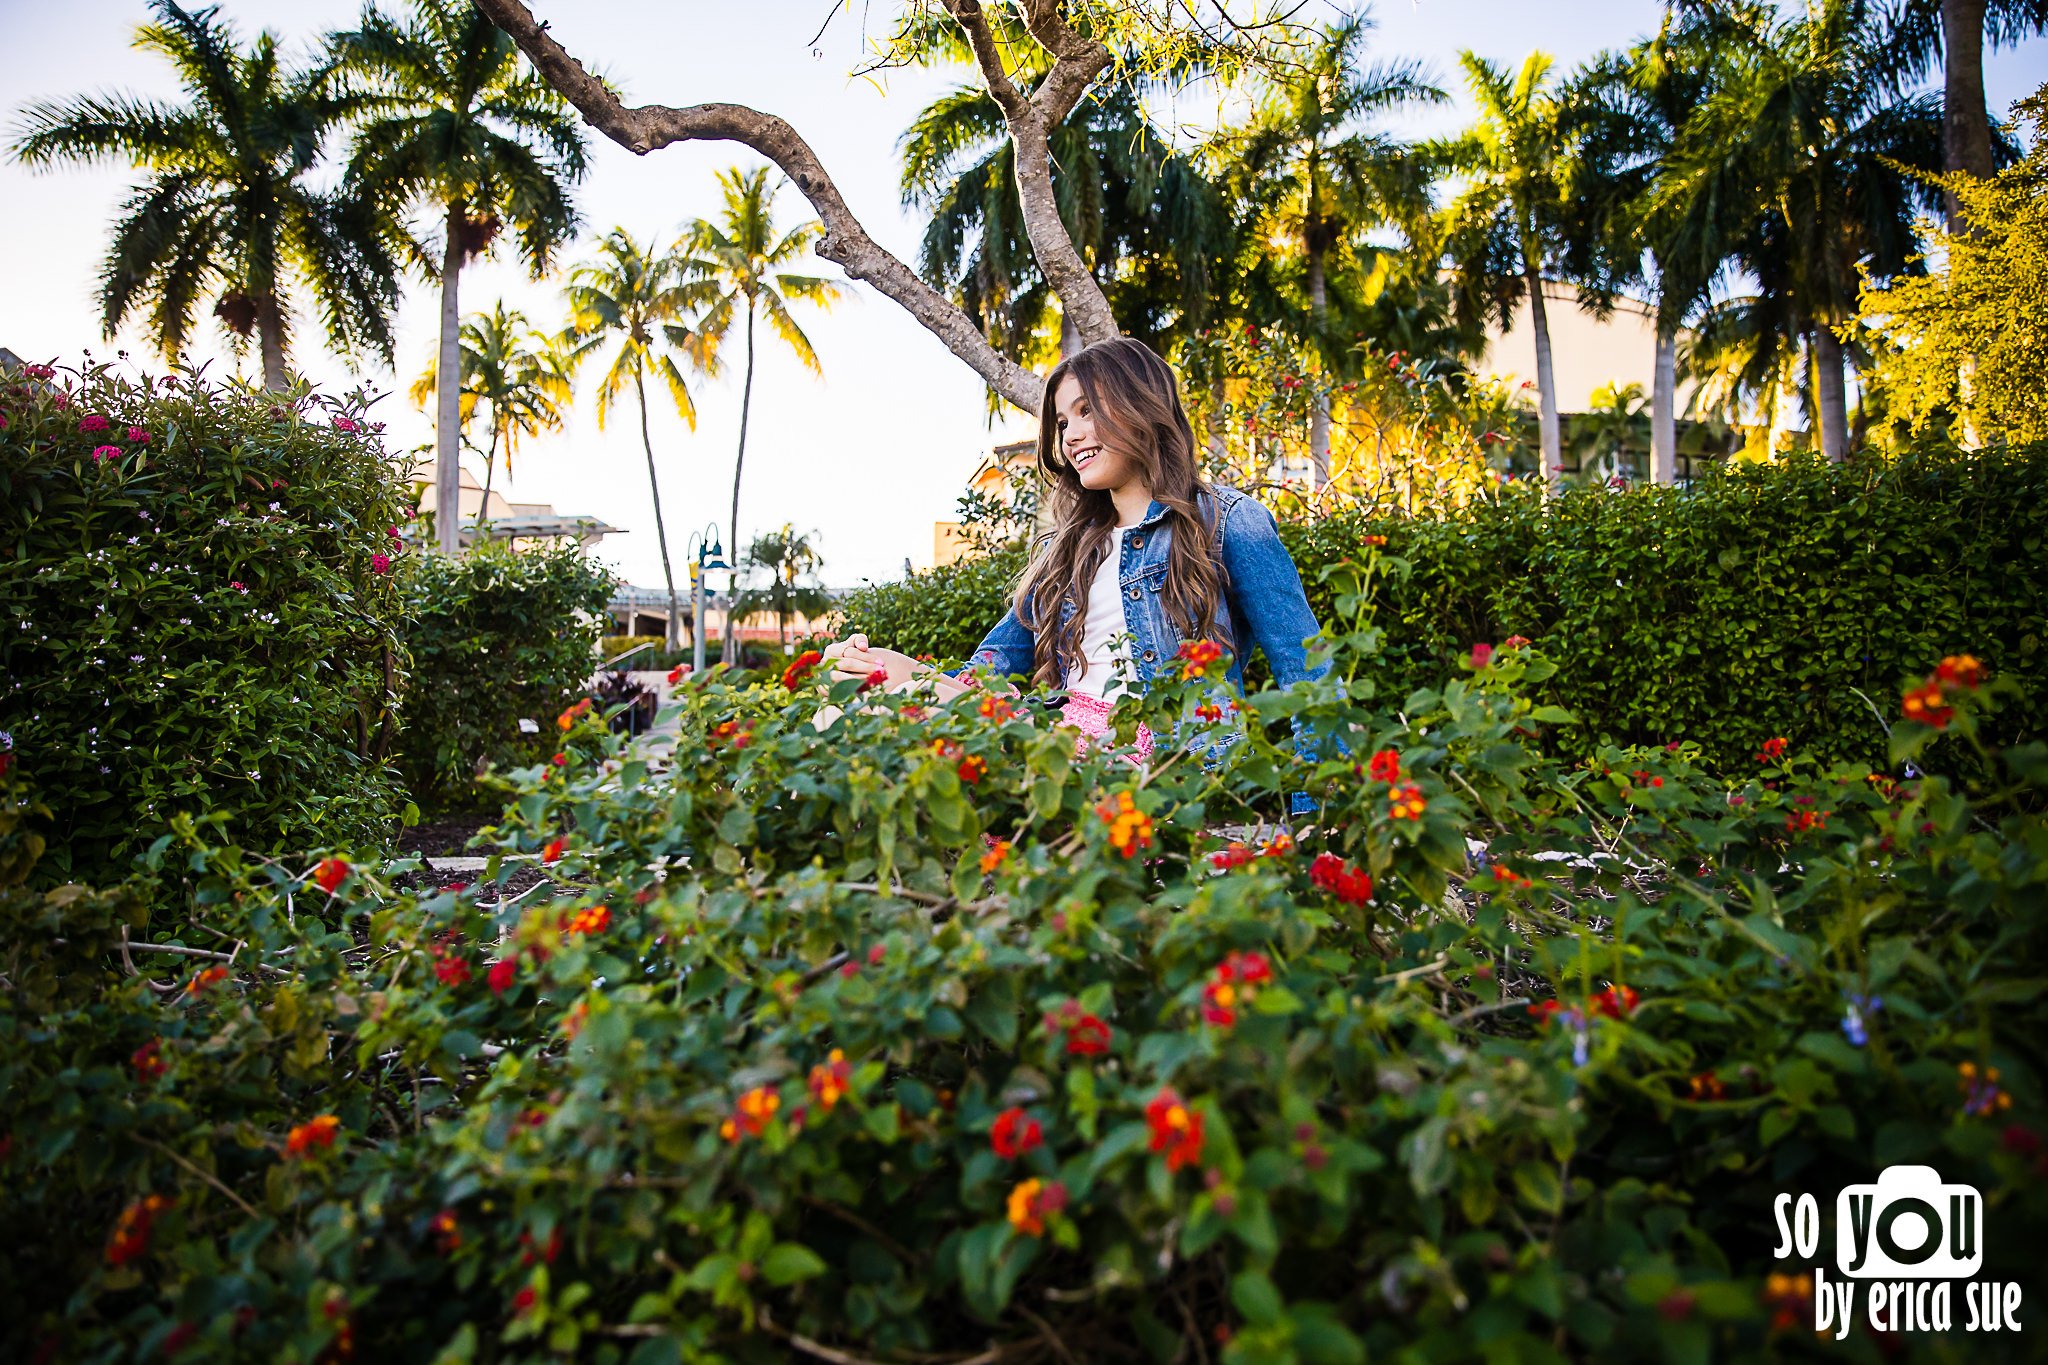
(137, 436)
(95, 422)
(344, 425)
(1853, 1026)
(380, 563)
(106, 453)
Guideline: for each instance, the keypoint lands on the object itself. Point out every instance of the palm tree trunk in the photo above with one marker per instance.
(448, 394)
(270, 341)
(672, 637)
(1550, 439)
(483, 513)
(1319, 420)
(1664, 407)
(1829, 396)
(1070, 335)
(739, 463)
(1966, 124)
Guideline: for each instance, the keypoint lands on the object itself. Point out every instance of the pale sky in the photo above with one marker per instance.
(869, 456)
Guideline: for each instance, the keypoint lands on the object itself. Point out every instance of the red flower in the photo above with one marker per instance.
(1482, 655)
(1087, 1035)
(330, 874)
(502, 974)
(1351, 885)
(729, 732)
(93, 423)
(875, 679)
(148, 1061)
(997, 709)
(1014, 1134)
(594, 920)
(447, 1231)
(1773, 750)
(313, 1133)
(553, 852)
(205, 979)
(1616, 1002)
(449, 969)
(677, 674)
(380, 563)
(547, 1253)
(1928, 704)
(1385, 766)
(799, 670)
(1130, 829)
(972, 769)
(1176, 1130)
(1219, 1003)
(1031, 1203)
(130, 1238)
(344, 425)
(1209, 712)
(105, 453)
(1515, 642)
(524, 1300)
(750, 1116)
(1237, 855)
(575, 713)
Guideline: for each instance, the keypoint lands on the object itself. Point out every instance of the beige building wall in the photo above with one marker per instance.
(1585, 351)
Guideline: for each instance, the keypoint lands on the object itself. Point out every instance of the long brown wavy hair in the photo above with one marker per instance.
(1137, 410)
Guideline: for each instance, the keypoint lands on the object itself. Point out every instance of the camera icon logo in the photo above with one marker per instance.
(1909, 1225)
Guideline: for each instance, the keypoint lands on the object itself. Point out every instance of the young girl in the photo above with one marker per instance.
(1143, 554)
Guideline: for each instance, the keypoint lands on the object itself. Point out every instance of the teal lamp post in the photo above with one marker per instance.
(705, 553)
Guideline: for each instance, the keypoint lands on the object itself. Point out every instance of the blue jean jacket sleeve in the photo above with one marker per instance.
(1266, 596)
(1007, 648)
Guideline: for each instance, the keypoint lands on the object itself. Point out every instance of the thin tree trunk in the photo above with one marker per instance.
(270, 341)
(1547, 427)
(1319, 420)
(672, 637)
(1828, 395)
(1966, 123)
(1070, 336)
(1664, 407)
(483, 513)
(739, 463)
(448, 394)
(1219, 434)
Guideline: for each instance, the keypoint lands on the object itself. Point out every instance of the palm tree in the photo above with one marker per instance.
(522, 376)
(1313, 177)
(226, 209)
(449, 117)
(1612, 422)
(1954, 32)
(1510, 222)
(1151, 227)
(1811, 142)
(1624, 115)
(637, 295)
(787, 555)
(735, 266)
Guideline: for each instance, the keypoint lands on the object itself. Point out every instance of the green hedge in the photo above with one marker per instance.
(786, 1057)
(1760, 601)
(496, 636)
(199, 613)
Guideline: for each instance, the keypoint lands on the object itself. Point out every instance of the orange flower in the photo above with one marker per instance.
(1130, 829)
(1928, 704)
(595, 920)
(1176, 1130)
(447, 1231)
(1515, 642)
(1196, 656)
(205, 979)
(1791, 1296)
(1405, 803)
(1706, 1086)
(997, 709)
(993, 859)
(1616, 1002)
(148, 1061)
(575, 713)
(730, 732)
(799, 669)
(750, 1117)
(130, 1238)
(317, 1132)
(1219, 1004)
(831, 1079)
(553, 852)
(330, 874)
(1373, 542)
(1208, 713)
(1032, 1202)
(573, 1021)
(1960, 670)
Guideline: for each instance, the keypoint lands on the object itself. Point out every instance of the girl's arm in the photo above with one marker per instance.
(1266, 596)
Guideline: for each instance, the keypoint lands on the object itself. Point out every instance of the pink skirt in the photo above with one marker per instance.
(1090, 715)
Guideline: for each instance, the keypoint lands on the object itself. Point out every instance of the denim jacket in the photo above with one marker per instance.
(1263, 603)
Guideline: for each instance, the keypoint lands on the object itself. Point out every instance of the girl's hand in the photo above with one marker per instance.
(855, 658)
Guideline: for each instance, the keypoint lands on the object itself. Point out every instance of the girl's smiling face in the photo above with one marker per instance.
(1098, 466)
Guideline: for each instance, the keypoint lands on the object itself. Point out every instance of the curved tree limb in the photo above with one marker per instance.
(1076, 63)
(641, 129)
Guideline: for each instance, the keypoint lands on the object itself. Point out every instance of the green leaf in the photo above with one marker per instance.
(1255, 1297)
(786, 1263)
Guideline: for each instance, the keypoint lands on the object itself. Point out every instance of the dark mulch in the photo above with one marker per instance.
(446, 836)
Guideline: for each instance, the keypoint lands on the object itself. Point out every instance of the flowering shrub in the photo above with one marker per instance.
(190, 617)
(1097, 1091)
(495, 636)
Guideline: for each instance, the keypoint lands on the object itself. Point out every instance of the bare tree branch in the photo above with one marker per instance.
(1076, 63)
(644, 128)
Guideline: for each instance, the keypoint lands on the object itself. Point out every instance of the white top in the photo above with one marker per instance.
(1106, 666)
